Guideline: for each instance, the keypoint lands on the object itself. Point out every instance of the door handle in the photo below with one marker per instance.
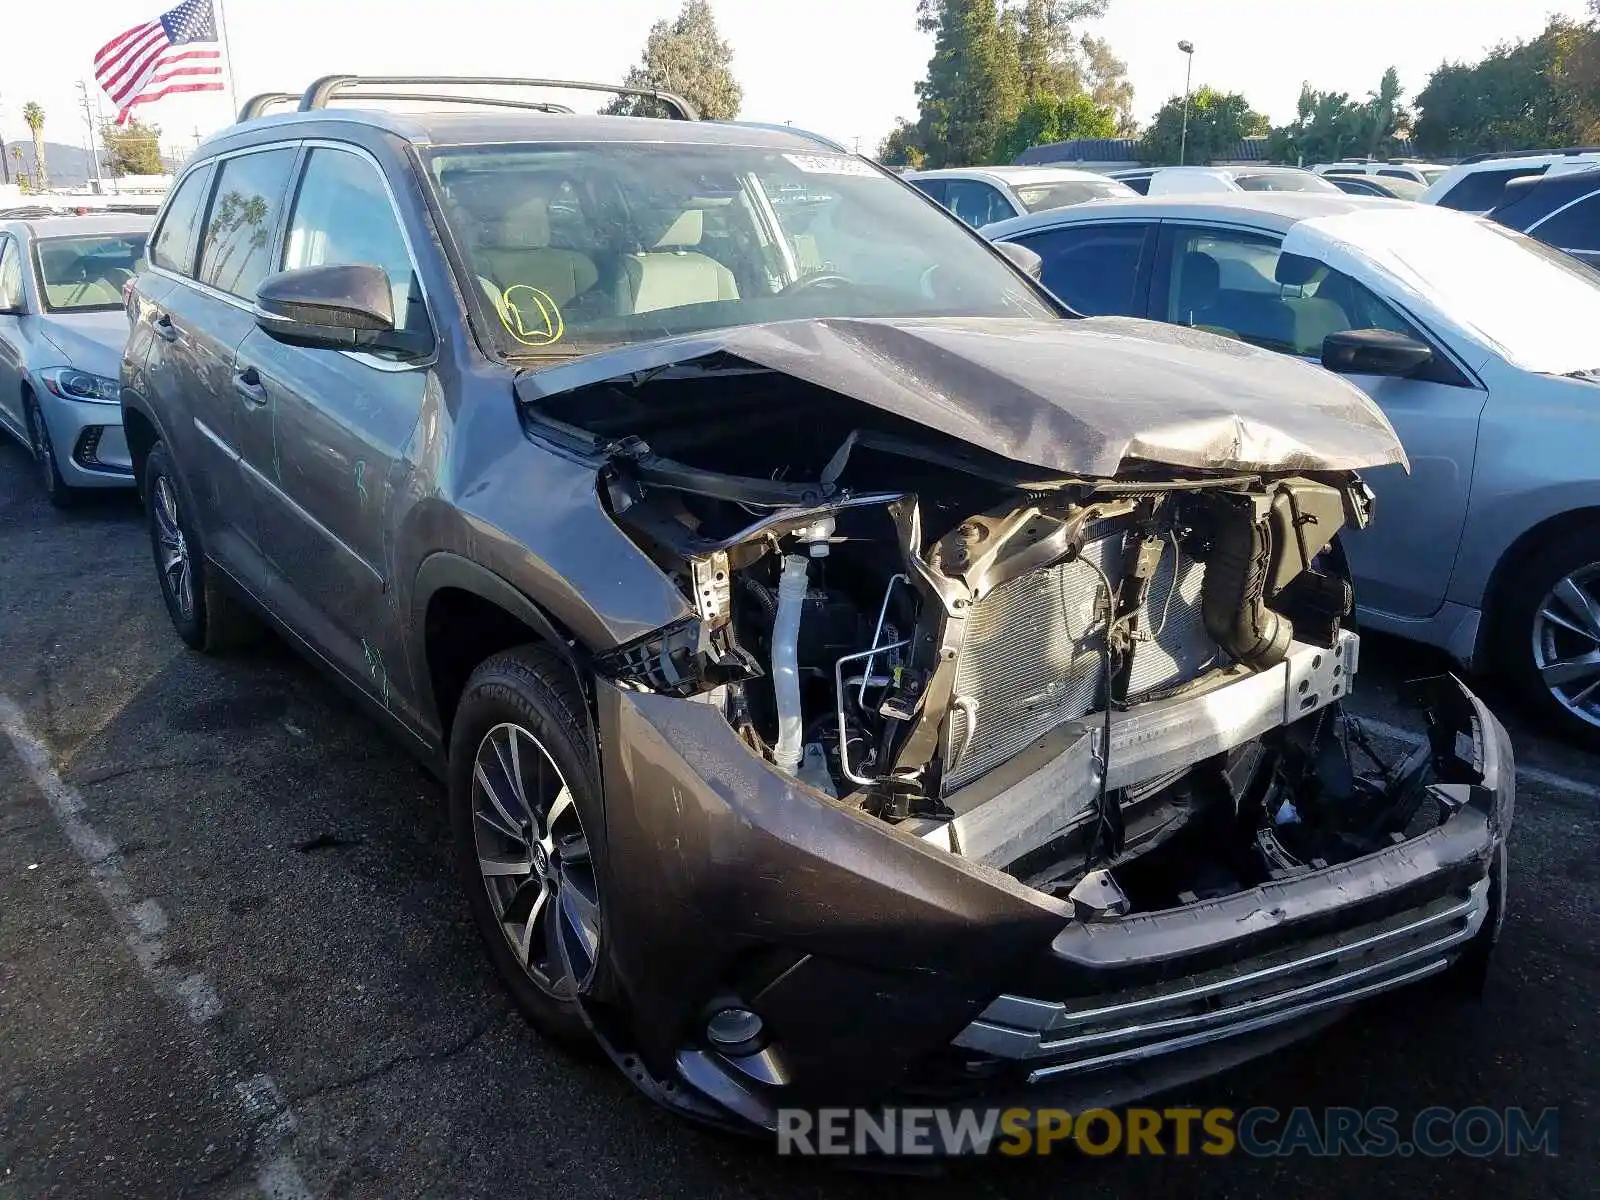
(249, 386)
(165, 329)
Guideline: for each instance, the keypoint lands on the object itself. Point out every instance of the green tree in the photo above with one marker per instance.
(974, 88)
(131, 149)
(689, 57)
(901, 146)
(1328, 126)
(1520, 94)
(1049, 119)
(1105, 76)
(33, 115)
(1217, 122)
(1387, 120)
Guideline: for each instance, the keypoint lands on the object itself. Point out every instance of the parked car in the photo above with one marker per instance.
(1478, 184)
(1560, 210)
(62, 327)
(983, 195)
(1374, 185)
(1138, 178)
(855, 680)
(1184, 181)
(1414, 172)
(1475, 341)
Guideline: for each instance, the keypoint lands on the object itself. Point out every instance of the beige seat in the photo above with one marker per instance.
(517, 251)
(674, 273)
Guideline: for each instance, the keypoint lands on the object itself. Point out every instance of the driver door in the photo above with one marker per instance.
(1224, 279)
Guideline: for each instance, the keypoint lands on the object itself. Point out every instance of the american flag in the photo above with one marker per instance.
(161, 57)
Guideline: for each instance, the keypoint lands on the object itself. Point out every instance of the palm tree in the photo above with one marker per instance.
(34, 116)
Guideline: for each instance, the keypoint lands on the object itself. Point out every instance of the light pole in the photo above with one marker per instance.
(1188, 76)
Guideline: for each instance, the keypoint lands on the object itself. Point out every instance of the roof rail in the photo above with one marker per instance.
(1559, 152)
(262, 101)
(329, 86)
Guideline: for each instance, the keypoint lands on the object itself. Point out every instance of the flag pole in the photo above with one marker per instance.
(227, 57)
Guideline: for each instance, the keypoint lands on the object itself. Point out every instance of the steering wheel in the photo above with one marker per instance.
(820, 279)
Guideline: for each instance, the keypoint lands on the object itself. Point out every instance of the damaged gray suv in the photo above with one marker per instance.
(858, 680)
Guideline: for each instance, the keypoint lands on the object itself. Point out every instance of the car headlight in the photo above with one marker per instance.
(74, 384)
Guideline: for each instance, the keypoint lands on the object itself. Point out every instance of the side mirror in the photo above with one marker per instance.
(1374, 352)
(348, 306)
(1025, 260)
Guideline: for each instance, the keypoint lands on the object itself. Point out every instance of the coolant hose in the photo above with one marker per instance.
(788, 751)
(1232, 599)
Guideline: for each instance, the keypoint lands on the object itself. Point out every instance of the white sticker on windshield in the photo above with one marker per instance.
(830, 164)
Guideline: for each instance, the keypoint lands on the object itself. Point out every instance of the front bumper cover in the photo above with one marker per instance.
(889, 972)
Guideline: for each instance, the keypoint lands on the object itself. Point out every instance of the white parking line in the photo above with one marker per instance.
(144, 922)
(1549, 779)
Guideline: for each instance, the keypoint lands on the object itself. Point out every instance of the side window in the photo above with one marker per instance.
(976, 203)
(342, 214)
(173, 245)
(1396, 173)
(1576, 227)
(930, 187)
(236, 254)
(1227, 282)
(1092, 268)
(10, 273)
(1482, 190)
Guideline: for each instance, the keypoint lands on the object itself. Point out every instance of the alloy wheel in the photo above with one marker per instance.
(533, 856)
(176, 570)
(1566, 643)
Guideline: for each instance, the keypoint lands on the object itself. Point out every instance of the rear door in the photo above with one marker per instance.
(1098, 268)
(1225, 280)
(327, 443)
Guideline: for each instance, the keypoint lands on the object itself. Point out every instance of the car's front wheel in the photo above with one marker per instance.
(44, 453)
(1549, 634)
(523, 804)
(205, 614)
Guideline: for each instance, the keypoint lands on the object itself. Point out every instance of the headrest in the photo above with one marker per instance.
(684, 232)
(1201, 278)
(525, 225)
(1295, 270)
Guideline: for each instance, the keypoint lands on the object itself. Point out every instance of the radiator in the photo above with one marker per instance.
(1032, 654)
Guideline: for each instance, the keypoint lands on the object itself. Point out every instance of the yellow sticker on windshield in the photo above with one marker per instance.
(534, 319)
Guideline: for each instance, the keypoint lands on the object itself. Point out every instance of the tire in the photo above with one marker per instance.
(542, 925)
(56, 489)
(1538, 627)
(205, 614)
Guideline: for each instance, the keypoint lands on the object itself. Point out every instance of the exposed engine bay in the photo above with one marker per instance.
(1121, 690)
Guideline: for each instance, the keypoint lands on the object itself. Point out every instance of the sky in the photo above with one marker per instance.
(845, 68)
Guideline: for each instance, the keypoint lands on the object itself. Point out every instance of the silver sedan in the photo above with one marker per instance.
(1476, 342)
(62, 328)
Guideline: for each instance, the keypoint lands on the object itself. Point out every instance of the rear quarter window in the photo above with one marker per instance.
(1483, 190)
(173, 245)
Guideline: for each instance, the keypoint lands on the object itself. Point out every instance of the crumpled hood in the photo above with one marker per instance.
(90, 341)
(1078, 397)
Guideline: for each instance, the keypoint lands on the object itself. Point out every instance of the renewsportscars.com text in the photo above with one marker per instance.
(1258, 1132)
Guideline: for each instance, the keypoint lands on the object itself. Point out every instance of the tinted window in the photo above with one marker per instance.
(1226, 282)
(1397, 173)
(342, 214)
(930, 187)
(1094, 268)
(1576, 227)
(10, 273)
(237, 252)
(1355, 185)
(976, 203)
(1481, 191)
(173, 245)
(1140, 184)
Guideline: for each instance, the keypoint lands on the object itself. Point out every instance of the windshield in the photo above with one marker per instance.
(1537, 306)
(87, 272)
(576, 248)
(1432, 173)
(1284, 181)
(1041, 196)
(1403, 189)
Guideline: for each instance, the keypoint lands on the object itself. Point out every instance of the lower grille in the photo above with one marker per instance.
(1032, 654)
(1095, 1032)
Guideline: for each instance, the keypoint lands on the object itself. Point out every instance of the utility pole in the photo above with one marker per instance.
(5, 162)
(1188, 76)
(88, 119)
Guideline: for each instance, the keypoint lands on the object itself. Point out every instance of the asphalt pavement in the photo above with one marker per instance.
(234, 960)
